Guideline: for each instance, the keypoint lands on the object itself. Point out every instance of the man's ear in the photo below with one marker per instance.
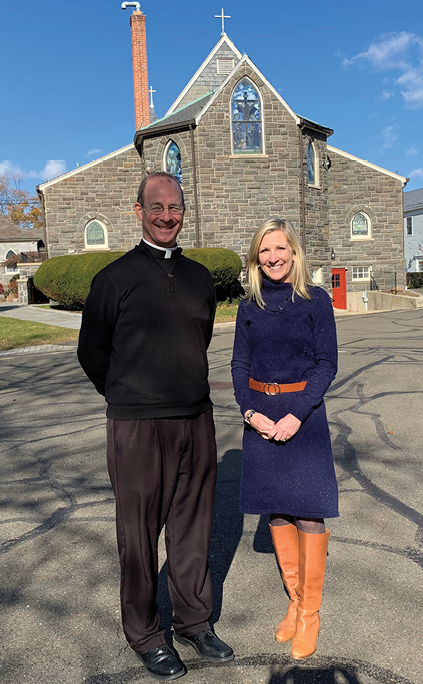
(138, 210)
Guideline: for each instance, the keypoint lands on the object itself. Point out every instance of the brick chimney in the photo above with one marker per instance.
(139, 66)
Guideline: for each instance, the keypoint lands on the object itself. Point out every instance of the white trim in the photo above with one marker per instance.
(246, 60)
(368, 164)
(224, 39)
(249, 153)
(69, 174)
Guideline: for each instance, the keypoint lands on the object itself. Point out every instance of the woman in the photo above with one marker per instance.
(284, 359)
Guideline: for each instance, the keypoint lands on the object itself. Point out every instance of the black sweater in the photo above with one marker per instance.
(144, 336)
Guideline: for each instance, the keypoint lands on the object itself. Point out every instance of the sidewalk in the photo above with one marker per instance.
(63, 319)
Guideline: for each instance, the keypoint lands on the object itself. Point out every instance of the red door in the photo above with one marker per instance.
(339, 288)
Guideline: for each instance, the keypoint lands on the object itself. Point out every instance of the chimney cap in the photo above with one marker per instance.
(137, 6)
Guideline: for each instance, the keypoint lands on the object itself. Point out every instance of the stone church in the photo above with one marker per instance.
(242, 155)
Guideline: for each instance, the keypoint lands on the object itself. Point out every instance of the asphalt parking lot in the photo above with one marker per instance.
(59, 613)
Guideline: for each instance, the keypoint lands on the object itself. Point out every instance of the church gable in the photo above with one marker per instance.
(211, 74)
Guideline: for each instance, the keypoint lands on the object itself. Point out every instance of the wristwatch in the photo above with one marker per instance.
(248, 415)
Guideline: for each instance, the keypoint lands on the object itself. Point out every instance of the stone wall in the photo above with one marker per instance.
(106, 191)
(354, 187)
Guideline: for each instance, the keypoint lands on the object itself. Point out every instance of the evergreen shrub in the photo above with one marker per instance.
(415, 280)
(67, 279)
(223, 264)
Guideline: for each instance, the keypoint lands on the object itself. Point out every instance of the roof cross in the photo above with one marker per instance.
(222, 16)
(151, 91)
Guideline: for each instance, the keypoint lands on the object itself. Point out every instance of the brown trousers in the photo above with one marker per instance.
(163, 473)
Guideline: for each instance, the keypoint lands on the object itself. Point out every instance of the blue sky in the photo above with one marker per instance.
(67, 94)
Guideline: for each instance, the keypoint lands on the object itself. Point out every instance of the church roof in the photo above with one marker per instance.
(413, 199)
(10, 231)
(209, 77)
(179, 119)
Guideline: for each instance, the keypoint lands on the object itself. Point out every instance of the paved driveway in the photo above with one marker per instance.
(59, 614)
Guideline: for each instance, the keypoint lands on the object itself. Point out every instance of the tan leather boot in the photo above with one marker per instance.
(313, 550)
(285, 541)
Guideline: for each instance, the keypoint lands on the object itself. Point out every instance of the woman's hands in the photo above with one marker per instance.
(281, 431)
(285, 428)
(262, 424)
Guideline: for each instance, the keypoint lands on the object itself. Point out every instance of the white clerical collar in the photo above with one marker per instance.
(168, 250)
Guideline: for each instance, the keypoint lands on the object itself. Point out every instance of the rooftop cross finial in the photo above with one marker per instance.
(222, 16)
(151, 91)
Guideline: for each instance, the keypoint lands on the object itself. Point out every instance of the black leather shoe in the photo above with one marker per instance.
(163, 663)
(208, 646)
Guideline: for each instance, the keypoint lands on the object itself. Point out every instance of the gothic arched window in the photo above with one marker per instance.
(246, 119)
(311, 165)
(360, 226)
(173, 162)
(12, 268)
(95, 235)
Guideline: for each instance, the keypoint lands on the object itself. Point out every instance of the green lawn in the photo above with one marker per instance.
(15, 333)
(226, 312)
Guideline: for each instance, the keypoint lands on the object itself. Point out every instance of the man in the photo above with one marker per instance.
(146, 326)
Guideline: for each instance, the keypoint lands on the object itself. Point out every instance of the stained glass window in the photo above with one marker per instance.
(246, 119)
(360, 226)
(173, 161)
(94, 235)
(311, 170)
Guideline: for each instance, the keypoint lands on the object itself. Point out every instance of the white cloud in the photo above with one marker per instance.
(412, 151)
(386, 95)
(416, 173)
(7, 167)
(53, 168)
(93, 151)
(389, 136)
(400, 52)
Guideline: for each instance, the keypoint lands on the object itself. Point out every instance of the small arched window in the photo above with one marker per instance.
(246, 119)
(173, 161)
(13, 267)
(360, 226)
(95, 235)
(311, 164)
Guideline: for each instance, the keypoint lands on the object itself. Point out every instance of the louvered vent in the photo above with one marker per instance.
(225, 66)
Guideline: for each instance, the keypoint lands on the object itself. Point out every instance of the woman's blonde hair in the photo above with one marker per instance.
(300, 277)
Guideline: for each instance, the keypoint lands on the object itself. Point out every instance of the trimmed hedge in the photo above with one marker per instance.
(415, 280)
(223, 264)
(67, 279)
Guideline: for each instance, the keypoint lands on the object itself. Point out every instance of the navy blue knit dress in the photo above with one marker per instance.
(288, 341)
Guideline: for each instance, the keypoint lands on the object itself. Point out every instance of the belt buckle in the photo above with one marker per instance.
(269, 386)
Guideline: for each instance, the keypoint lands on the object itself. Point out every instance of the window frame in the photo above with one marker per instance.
(369, 224)
(92, 248)
(169, 143)
(365, 278)
(249, 153)
(408, 226)
(316, 184)
(10, 269)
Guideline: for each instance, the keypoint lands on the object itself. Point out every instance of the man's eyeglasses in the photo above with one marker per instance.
(157, 209)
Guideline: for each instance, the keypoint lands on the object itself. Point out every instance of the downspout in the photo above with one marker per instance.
(302, 207)
(43, 214)
(194, 179)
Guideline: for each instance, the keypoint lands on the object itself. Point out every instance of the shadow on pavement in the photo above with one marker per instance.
(330, 675)
(226, 534)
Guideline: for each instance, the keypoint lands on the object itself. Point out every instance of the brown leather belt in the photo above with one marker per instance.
(272, 388)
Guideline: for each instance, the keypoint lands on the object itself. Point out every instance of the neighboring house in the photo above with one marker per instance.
(16, 240)
(242, 156)
(413, 230)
